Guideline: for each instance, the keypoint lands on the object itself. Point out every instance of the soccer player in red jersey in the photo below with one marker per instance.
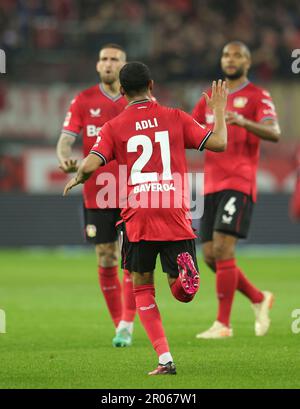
(88, 112)
(149, 140)
(230, 187)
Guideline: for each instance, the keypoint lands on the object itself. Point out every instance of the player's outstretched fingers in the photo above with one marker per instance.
(213, 88)
(219, 83)
(220, 87)
(73, 182)
(66, 190)
(69, 166)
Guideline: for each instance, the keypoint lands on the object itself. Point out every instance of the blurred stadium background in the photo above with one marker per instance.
(51, 49)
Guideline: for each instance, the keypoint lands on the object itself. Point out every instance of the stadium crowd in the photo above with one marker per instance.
(178, 38)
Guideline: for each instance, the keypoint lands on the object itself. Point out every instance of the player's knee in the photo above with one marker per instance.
(222, 251)
(107, 255)
(210, 262)
(209, 257)
(142, 279)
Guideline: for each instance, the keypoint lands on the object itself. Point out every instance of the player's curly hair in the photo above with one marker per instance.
(135, 77)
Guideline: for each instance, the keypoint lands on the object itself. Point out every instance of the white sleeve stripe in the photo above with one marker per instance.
(201, 146)
(100, 155)
(201, 126)
(69, 132)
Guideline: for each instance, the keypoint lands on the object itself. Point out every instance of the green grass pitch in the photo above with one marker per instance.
(59, 332)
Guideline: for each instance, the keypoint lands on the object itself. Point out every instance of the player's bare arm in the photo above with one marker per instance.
(217, 142)
(268, 130)
(64, 153)
(85, 170)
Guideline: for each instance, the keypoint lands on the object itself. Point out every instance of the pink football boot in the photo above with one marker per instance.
(188, 274)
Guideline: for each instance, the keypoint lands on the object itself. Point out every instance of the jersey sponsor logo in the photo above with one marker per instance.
(92, 130)
(97, 142)
(145, 124)
(67, 119)
(240, 102)
(91, 230)
(95, 113)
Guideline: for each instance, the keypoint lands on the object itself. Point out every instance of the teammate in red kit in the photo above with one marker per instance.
(230, 187)
(88, 112)
(150, 140)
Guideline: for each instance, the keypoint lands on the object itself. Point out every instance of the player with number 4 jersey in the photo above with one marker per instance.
(230, 187)
(150, 141)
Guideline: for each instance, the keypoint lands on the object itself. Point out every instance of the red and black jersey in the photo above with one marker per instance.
(88, 112)
(235, 169)
(149, 140)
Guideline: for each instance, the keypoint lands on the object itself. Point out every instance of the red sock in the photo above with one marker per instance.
(129, 308)
(150, 317)
(111, 289)
(179, 293)
(227, 278)
(248, 289)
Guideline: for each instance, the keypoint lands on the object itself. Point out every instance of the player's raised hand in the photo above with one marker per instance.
(72, 183)
(69, 166)
(218, 98)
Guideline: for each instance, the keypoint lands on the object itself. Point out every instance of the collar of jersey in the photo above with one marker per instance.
(107, 95)
(240, 87)
(141, 101)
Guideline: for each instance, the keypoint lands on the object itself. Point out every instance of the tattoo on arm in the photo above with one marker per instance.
(64, 147)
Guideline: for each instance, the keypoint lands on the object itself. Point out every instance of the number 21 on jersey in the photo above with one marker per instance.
(136, 175)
